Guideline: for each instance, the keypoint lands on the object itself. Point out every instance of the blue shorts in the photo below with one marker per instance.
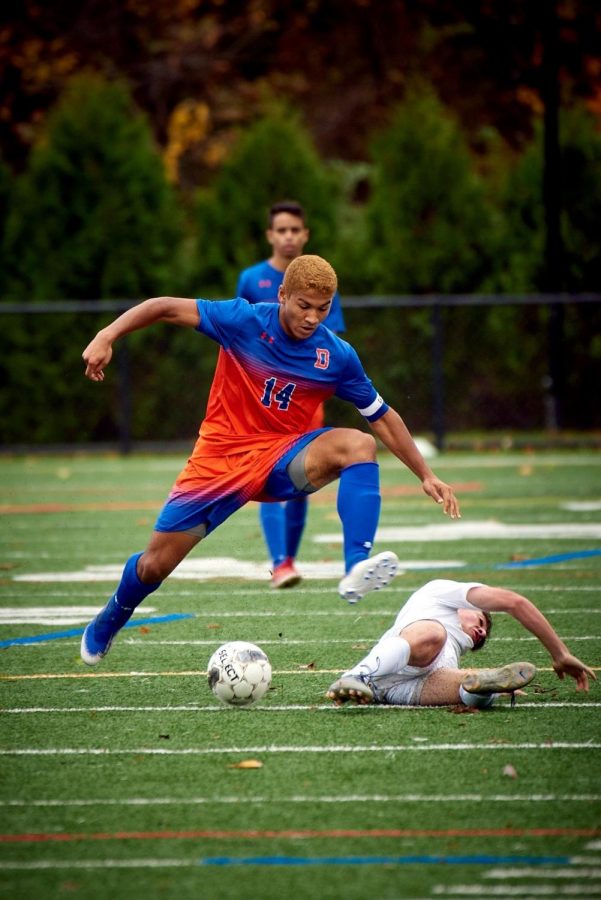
(200, 511)
(282, 484)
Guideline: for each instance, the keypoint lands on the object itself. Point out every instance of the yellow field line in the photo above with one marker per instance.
(184, 674)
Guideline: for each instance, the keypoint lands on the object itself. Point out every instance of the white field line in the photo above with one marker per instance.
(506, 891)
(274, 748)
(208, 568)
(43, 864)
(319, 798)
(487, 529)
(203, 589)
(540, 872)
(581, 506)
(281, 642)
(292, 707)
(56, 615)
(358, 614)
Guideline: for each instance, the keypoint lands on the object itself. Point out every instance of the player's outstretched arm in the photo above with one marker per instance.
(177, 310)
(572, 666)
(494, 599)
(395, 435)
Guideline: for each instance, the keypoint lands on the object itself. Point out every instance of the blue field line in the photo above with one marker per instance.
(547, 560)
(481, 860)
(76, 632)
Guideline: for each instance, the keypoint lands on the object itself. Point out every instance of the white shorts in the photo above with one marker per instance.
(405, 688)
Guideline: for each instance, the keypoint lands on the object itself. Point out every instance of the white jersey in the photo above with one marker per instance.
(438, 600)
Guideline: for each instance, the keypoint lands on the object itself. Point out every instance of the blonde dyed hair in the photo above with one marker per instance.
(308, 272)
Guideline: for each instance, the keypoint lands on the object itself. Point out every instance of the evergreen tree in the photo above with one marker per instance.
(93, 215)
(274, 160)
(431, 226)
(5, 194)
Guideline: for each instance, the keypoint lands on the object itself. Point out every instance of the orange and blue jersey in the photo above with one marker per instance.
(266, 389)
(260, 284)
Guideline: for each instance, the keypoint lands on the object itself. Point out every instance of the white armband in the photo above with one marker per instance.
(373, 408)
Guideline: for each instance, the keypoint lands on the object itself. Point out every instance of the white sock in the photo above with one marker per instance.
(479, 700)
(389, 656)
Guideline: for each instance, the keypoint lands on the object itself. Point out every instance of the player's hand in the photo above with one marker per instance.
(570, 665)
(444, 494)
(96, 356)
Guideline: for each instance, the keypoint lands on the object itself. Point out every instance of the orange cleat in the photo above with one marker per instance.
(285, 575)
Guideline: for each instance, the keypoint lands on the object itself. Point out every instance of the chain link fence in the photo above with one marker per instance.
(448, 363)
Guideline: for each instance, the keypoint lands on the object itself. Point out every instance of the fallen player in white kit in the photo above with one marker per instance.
(416, 662)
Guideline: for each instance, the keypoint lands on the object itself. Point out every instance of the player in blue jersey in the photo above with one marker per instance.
(287, 233)
(276, 364)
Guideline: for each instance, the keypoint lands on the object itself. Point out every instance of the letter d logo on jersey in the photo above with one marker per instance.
(323, 359)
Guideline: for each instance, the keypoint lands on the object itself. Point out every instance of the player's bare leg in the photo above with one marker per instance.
(475, 687)
(334, 450)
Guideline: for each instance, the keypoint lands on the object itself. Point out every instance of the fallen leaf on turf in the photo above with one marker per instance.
(247, 764)
(460, 709)
(310, 665)
(509, 771)
(144, 629)
(214, 625)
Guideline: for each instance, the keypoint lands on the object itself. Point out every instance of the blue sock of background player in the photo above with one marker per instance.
(283, 525)
(296, 516)
(272, 517)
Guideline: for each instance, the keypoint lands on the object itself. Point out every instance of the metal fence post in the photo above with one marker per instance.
(438, 412)
(125, 401)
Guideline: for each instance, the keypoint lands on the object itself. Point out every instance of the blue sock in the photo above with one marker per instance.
(273, 523)
(129, 594)
(359, 510)
(296, 516)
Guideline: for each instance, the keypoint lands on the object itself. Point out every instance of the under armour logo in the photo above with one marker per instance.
(367, 544)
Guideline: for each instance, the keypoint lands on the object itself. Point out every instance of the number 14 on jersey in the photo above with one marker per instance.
(282, 395)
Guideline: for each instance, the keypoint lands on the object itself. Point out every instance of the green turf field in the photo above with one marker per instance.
(122, 781)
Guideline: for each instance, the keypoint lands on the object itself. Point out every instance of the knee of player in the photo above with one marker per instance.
(361, 447)
(426, 639)
(152, 568)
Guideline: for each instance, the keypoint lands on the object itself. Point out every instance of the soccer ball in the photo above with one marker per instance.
(239, 673)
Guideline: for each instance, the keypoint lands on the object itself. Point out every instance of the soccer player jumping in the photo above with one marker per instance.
(276, 364)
